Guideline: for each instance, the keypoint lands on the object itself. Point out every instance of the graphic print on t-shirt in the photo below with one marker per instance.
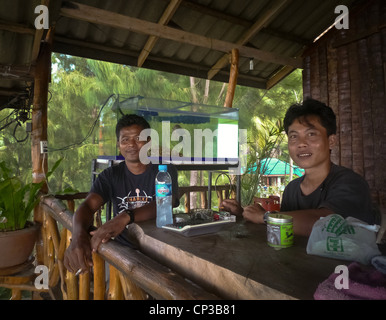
(134, 201)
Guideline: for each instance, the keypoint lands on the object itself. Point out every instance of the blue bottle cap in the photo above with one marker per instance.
(162, 167)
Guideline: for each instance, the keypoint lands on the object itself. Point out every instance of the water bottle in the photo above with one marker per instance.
(163, 193)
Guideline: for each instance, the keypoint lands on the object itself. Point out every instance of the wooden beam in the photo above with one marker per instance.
(285, 71)
(16, 27)
(128, 57)
(232, 79)
(279, 76)
(163, 21)
(11, 92)
(38, 37)
(102, 17)
(16, 72)
(250, 33)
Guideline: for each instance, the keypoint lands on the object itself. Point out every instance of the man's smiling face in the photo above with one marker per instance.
(129, 143)
(308, 143)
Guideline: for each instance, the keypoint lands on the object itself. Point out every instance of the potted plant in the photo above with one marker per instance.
(17, 232)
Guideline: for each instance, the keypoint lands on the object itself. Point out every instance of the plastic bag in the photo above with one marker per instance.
(346, 239)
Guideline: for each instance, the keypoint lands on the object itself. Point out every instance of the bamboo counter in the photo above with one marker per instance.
(236, 262)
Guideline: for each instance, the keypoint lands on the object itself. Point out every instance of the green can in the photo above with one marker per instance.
(280, 233)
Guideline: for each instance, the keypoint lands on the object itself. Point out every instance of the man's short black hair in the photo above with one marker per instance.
(128, 120)
(311, 107)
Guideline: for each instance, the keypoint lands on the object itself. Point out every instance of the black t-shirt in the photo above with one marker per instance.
(126, 190)
(343, 191)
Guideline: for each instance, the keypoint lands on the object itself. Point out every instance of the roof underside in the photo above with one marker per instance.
(188, 37)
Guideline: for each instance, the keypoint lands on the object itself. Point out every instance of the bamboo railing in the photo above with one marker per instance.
(131, 274)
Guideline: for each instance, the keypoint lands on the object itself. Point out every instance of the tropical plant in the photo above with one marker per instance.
(263, 139)
(17, 199)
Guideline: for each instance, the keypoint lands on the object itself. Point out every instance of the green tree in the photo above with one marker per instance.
(79, 89)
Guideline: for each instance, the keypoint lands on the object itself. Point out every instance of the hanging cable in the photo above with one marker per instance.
(88, 133)
(227, 195)
(14, 133)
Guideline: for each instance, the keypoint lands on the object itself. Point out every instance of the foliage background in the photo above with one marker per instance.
(79, 88)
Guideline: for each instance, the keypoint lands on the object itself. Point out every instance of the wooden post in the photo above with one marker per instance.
(39, 110)
(99, 277)
(115, 287)
(84, 286)
(62, 269)
(70, 279)
(234, 71)
(53, 232)
(39, 129)
(131, 290)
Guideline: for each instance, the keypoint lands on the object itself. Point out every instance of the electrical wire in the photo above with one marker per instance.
(73, 145)
(14, 133)
(231, 185)
(6, 120)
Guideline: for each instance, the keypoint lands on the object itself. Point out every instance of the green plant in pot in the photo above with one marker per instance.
(17, 232)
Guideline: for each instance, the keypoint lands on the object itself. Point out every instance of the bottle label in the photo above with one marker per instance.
(163, 190)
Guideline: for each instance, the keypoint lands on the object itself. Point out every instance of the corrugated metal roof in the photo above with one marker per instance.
(293, 25)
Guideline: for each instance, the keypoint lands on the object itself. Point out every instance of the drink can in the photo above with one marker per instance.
(280, 232)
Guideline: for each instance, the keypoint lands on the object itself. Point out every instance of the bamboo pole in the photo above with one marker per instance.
(234, 71)
(159, 281)
(54, 234)
(71, 205)
(16, 294)
(71, 280)
(39, 130)
(99, 277)
(84, 286)
(187, 202)
(115, 286)
(39, 111)
(62, 271)
(131, 290)
(45, 240)
(50, 247)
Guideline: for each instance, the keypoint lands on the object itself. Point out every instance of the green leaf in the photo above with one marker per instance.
(17, 198)
(57, 163)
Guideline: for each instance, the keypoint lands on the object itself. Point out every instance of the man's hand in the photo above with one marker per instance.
(78, 254)
(254, 213)
(109, 230)
(232, 206)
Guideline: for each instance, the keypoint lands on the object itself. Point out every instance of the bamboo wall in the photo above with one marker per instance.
(346, 69)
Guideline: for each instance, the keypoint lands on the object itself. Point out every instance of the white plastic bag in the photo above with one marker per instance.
(346, 239)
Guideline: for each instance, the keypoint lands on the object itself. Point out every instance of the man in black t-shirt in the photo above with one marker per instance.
(335, 193)
(129, 191)
(130, 186)
(325, 188)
